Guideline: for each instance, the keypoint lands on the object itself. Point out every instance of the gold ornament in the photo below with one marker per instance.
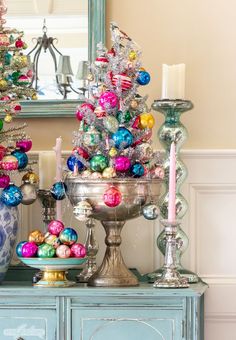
(132, 55)
(36, 236)
(34, 96)
(134, 104)
(3, 84)
(112, 152)
(109, 173)
(146, 121)
(31, 177)
(19, 61)
(90, 77)
(8, 118)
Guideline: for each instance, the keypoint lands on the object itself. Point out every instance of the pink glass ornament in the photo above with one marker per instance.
(4, 181)
(19, 43)
(24, 145)
(122, 163)
(101, 61)
(82, 109)
(123, 81)
(63, 251)
(112, 197)
(29, 249)
(81, 152)
(2, 152)
(108, 100)
(9, 163)
(100, 112)
(78, 250)
(55, 227)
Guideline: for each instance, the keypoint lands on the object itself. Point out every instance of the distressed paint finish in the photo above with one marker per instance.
(87, 313)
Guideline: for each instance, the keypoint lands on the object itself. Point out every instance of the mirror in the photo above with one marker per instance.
(75, 35)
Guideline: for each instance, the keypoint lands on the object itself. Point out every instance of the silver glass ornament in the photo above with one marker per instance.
(150, 211)
(29, 193)
(82, 210)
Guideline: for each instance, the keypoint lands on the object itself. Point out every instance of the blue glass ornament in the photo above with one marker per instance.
(58, 191)
(68, 236)
(137, 170)
(72, 160)
(123, 138)
(21, 157)
(11, 195)
(19, 248)
(143, 78)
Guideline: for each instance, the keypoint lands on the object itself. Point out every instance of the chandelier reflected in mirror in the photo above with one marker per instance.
(65, 82)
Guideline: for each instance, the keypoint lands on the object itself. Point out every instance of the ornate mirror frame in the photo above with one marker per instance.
(66, 108)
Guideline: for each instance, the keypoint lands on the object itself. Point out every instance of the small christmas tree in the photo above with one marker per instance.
(113, 139)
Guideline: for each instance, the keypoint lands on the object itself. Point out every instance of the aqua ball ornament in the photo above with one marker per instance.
(21, 157)
(143, 78)
(68, 236)
(11, 195)
(72, 161)
(99, 163)
(122, 138)
(58, 191)
(46, 250)
(137, 170)
(19, 248)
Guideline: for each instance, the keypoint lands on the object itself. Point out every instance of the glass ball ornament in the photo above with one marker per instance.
(55, 227)
(101, 61)
(111, 123)
(112, 152)
(3, 151)
(4, 39)
(83, 110)
(137, 170)
(23, 80)
(143, 152)
(122, 81)
(11, 195)
(112, 197)
(122, 163)
(108, 100)
(24, 145)
(82, 210)
(72, 161)
(122, 138)
(146, 121)
(31, 177)
(123, 117)
(29, 249)
(150, 211)
(109, 172)
(132, 55)
(19, 248)
(158, 172)
(58, 191)
(46, 250)
(81, 152)
(9, 163)
(29, 193)
(99, 163)
(1, 124)
(22, 158)
(4, 181)
(53, 240)
(68, 236)
(3, 84)
(86, 173)
(100, 112)
(143, 78)
(78, 250)
(8, 118)
(63, 251)
(96, 175)
(36, 236)
(92, 137)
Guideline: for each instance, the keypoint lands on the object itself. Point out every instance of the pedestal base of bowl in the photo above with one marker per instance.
(55, 279)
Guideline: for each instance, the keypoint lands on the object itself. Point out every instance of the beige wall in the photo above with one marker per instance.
(201, 34)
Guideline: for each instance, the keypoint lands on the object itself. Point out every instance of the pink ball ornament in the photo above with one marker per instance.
(24, 145)
(78, 250)
(108, 100)
(83, 109)
(112, 197)
(55, 227)
(136, 123)
(81, 152)
(9, 163)
(122, 163)
(63, 251)
(100, 112)
(4, 181)
(29, 249)
(19, 43)
(123, 81)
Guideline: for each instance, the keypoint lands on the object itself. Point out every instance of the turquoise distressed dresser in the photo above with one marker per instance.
(87, 313)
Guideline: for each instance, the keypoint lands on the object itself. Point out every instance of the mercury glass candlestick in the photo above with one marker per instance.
(172, 130)
(170, 277)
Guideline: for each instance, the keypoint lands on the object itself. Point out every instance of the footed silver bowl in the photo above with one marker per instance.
(135, 194)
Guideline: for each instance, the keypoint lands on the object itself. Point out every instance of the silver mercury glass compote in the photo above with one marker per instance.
(135, 194)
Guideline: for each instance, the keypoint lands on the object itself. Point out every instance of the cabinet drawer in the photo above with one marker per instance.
(27, 324)
(126, 324)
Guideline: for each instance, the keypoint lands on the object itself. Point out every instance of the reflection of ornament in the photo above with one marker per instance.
(63, 251)
(111, 123)
(72, 161)
(9, 163)
(123, 138)
(19, 248)
(46, 250)
(24, 145)
(4, 181)
(55, 227)
(123, 81)
(30, 177)
(137, 170)
(146, 121)
(108, 100)
(143, 78)
(29, 249)
(11, 196)
(68, 236)
(112, 197)
(122, 163)
(82, 210)
(58, 191)
(109, 173)
(98, 163)
(22, 158)
(150, 211)
(78, 250)
(29, 193)
(36, 236)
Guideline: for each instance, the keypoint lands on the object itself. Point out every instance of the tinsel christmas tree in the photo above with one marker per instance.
(15, 79)
(113, 139)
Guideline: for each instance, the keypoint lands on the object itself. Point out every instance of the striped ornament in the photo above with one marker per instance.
(122, 80)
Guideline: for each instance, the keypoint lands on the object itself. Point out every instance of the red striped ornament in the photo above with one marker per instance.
(122, 80)
(101, 62)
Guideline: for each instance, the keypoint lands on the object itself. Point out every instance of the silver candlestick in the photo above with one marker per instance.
(48, 204)
(91, 246)
(170, 277)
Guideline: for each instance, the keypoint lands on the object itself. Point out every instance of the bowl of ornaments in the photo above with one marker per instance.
(53, 253)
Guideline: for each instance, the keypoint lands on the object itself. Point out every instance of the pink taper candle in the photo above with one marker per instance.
(57, 149)
(172, 184)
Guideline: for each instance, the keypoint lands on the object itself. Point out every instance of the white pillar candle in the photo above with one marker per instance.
(47, 169)
(173, 81)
